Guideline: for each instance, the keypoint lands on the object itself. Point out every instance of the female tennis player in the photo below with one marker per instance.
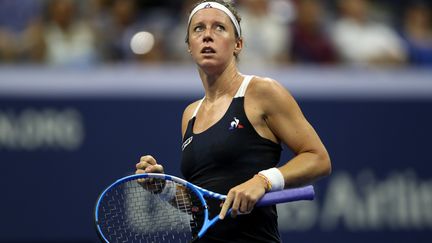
(232, 137)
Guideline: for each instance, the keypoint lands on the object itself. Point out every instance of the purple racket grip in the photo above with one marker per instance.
(288, 195)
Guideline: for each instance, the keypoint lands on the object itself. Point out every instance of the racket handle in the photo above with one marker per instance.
(288, 195)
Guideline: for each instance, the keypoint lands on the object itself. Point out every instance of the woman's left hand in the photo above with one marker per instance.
(242, 198)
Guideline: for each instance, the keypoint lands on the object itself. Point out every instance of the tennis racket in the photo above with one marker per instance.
(162, 208)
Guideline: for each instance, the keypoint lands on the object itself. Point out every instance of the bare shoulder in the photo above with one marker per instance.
(270, 98)
(268, 92)
(187, 114)
(263, 86)
(189, 110)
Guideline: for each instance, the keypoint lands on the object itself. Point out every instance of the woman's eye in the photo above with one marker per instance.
(198, 29)
(220, 28)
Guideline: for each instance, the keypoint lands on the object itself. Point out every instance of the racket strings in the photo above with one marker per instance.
(144, 212)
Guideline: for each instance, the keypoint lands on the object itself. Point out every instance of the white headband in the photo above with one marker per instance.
(220, 7)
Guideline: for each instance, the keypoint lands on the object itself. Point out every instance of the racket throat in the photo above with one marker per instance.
(198, 215)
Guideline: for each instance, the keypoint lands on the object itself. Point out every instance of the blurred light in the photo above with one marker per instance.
(142, 42)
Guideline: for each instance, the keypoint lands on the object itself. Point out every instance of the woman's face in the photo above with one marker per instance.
(212, 40)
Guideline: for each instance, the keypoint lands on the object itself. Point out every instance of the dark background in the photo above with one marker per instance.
(380, 189)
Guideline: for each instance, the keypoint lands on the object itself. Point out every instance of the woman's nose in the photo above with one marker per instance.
(208, 36)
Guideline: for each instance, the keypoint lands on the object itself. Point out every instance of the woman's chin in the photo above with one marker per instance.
(209, 64)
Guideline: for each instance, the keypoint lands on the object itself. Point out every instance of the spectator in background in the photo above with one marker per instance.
(20, 31)
(416, 32)
(117, 24)
(158, 20)
(8, 48)
(310, 41)
(361, 41)
(265, 34)
(177, 47)
(68, 40)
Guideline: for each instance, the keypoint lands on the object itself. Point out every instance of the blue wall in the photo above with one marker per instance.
(58, 152)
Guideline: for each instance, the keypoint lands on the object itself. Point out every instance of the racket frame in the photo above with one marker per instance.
(199, 192)
(271, 198)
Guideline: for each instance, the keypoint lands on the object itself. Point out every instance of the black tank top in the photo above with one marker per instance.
(227, 154)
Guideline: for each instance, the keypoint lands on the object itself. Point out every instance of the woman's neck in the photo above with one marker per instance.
(217, 85)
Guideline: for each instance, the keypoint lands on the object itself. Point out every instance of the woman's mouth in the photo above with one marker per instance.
(207, 50)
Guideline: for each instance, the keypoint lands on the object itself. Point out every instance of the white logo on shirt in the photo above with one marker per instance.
(235, 124)
(187, 142)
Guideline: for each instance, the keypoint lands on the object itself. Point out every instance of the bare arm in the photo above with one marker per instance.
(285, 120)
(276, 116)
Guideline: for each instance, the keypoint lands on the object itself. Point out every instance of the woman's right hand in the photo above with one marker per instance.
(148, 164)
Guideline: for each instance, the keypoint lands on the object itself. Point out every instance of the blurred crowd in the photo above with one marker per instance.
(276, 32)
